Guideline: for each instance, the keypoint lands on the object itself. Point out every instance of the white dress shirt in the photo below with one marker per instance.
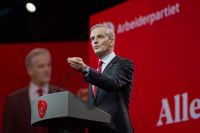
(106, 60)
(33, 88)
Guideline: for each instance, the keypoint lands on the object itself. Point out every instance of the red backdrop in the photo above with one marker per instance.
(162, 39)
(13, 72)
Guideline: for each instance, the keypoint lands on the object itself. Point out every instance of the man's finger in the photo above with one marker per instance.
(79, 59)
(73, 60)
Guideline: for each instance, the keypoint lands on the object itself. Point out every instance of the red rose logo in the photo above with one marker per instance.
(42, 107)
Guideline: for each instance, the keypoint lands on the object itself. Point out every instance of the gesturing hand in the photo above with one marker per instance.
(76, 63)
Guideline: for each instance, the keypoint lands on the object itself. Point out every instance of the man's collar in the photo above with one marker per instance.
(35, 87)
(108, 57)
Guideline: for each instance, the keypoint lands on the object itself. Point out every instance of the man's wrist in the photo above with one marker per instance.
(85, 70)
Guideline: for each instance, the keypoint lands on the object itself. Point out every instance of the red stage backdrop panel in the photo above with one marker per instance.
(162, 39)
(13, 70)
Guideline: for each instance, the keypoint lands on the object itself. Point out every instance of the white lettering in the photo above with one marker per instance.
(177, 108)
(185, 107)
(165, 113)
(150, 18)
(194, 110)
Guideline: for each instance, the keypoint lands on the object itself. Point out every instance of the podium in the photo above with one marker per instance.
(63, 112)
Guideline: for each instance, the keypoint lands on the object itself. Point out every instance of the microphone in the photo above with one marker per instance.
(67, 78)
(62, 83)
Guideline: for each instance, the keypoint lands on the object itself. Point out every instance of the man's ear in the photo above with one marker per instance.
(112, 42)
(29, 71)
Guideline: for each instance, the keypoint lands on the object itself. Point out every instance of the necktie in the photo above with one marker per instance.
(40, 92)
(100, 63)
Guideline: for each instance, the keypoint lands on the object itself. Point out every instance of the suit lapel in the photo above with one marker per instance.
(26, 101)
(110, 64)
(91, 96)
(54, 89)
(26, 107)
(51, 89)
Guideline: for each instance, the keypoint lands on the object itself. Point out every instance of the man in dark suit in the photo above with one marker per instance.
(111, 84)
(17, 118)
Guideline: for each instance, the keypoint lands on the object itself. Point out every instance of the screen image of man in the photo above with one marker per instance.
(110, 84)
(17, 117)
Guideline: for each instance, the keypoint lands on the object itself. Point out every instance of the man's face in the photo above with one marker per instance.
(101, 44)
(40, 69)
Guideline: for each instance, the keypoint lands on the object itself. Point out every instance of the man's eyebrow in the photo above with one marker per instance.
(100, 34)
(97, 35)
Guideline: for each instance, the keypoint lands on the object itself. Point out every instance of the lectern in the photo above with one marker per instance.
(64, 112)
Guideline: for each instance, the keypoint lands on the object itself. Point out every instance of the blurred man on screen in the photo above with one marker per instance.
(17, 118)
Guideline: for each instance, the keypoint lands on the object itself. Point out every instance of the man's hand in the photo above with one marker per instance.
(77, 63)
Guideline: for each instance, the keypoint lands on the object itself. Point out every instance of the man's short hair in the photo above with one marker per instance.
(33, 53)
(109, 32)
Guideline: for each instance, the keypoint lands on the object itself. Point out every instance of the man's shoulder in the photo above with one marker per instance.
(21, 93)
(123, 60)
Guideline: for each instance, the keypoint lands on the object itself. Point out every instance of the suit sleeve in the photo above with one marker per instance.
(8, 122)
(121, 75)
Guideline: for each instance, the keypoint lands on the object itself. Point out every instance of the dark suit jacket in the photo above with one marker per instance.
(17, 117)
(113, 95)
